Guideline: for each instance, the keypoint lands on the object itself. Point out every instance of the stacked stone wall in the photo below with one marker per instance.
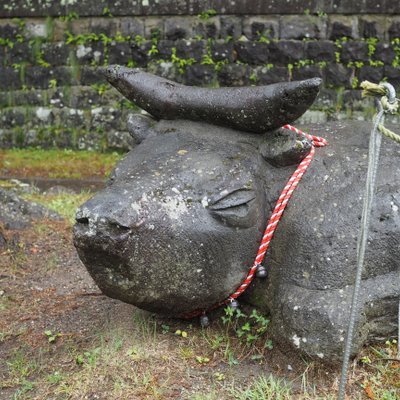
(52, 95)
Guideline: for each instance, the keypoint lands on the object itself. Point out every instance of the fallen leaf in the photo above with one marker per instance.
(369, 392)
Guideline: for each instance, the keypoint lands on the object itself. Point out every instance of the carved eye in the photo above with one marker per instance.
(237, 208)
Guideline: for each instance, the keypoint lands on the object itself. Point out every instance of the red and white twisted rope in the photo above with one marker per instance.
(275, 217)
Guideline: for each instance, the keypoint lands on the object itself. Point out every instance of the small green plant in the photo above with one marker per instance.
(131, 64)
(357, 64)
(139, 40)
(354, 83)
(88, 357)
(6, 42)
(247, 328)
(207, 59)
(303, 63)
(290, 68)
(365, 360)
(181, 63)
(72, 16)
(339, 42)
(41, 62)
(264, 388)
(21, 68)
(52, 83)
(106, 40)
(372, 45)
(396, 47)
(153, 50)
(263, 36)
(51, 337)
(253, 77)
(202, 360)
(106, 12)
(100, 88)
(219, 376)
(119, 38)
(21, 367)
(376, 63)
(55, 377)
(20, 22)
(19, 38)
(164, 329)
(154, 46)
(206, 15)
(85, 38)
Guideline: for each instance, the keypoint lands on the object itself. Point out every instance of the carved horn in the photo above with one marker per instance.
(256, 109)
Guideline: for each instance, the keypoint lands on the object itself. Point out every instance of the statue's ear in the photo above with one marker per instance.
(141, 126)
(284, 147)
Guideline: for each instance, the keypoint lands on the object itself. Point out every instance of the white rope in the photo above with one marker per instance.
(373, 158)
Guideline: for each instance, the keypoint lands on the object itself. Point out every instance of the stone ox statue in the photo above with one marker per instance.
(180, 222)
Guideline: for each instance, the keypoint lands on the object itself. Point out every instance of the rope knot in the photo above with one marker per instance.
(388, 104)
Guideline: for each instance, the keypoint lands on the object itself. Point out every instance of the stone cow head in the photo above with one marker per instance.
(179, 224)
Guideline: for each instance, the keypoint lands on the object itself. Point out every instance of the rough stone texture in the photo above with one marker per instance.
(340, 27)
(256, 27)
(372, 74)
(309, 300)
(337, 75)
(22, 8)
(231, 27)
(252, 52)
(40, 52)
(393, 75)
(222, 51)
(307, 72)
(209, 29)
(354, 51)
(17, 213)
(131, 26)
(305, 27)
(373, 27)
(199, 75)
(384, 53)
(320, 50)
(394, 30)
(234, 75)
(285, 52)
(267, 76)
(178, 28)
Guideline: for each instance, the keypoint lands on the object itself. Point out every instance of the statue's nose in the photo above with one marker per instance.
(107, 214)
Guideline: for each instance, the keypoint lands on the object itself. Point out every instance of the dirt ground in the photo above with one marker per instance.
(60, 338)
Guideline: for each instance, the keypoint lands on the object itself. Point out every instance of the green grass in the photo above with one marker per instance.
(64, 204)
(55, 163)
(265, 388)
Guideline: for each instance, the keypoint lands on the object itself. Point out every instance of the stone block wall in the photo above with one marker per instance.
(52, 95)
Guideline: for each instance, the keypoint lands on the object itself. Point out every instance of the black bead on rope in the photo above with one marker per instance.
(261, 272)
(204, 321)
(233, 304)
